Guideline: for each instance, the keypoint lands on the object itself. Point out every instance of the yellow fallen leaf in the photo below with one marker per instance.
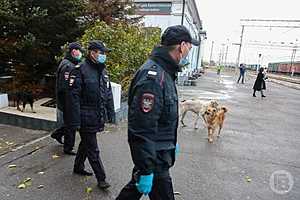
(55, 156)
(22, 186)
(248, 179)
(28, 183)
(89, 190)
(12, 166)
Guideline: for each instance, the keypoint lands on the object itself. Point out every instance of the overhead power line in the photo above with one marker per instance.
(269, 20)
(272, 45)
(270, 26)
(270, 48)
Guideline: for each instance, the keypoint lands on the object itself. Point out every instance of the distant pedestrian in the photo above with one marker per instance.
(242, 73)
(260, 83)
(219, 68)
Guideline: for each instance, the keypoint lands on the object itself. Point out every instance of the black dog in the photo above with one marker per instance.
(24, 97)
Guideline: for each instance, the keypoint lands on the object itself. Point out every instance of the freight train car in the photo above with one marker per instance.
(284, 67)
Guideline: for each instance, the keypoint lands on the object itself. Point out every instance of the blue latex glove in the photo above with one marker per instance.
(177, 150)
(144, 185)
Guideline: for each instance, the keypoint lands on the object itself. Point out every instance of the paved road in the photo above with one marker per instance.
(260, 136)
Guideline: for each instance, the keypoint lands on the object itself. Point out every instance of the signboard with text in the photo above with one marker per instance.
(153, 8)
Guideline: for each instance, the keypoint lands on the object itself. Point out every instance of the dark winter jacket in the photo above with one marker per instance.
(260, 83)
(90, 99)
(153, 112)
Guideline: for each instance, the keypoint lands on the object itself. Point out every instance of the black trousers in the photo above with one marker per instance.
(88, 148)
(69, 137)
(162, 188)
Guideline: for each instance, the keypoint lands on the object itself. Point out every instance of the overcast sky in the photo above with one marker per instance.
(221, 20)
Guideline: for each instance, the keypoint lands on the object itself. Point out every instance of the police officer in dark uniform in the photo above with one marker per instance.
(90, 99)
(72, 58)
(153, 117)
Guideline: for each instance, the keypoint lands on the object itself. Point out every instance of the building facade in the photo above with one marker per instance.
(165, 13)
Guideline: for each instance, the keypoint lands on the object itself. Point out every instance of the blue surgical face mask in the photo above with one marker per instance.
(183, 62)
(101, 58)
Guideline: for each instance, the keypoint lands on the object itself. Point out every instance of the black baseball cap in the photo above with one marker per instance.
(96, 44)
(176, 34)
(75, 45)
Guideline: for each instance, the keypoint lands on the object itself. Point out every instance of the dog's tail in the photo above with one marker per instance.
(224, 109)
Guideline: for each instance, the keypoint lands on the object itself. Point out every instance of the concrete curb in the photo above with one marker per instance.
(47, 125)
(27, 122)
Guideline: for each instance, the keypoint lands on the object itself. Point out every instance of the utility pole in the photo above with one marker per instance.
(211, 52)
(240, 48)
(292, 61)
(226, 53)
(223, 51)
(183, 10)
(220, 57)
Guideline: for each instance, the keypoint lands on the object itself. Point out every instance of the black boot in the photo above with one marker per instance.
(254, 93)
(70, 152)
(103, 185)
(82, 172)
(57, 135)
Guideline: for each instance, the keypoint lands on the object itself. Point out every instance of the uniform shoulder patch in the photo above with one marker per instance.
(72, 80)
(152, 74)
(147, 102)
(66, 75)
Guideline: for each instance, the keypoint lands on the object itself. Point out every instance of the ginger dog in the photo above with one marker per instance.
(215, 119)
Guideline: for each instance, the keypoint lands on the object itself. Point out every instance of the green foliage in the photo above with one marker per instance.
(109, 11)
(130, 44)
(32, 33)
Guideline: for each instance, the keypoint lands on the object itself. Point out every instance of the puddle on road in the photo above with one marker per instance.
(221, 95)
(226, 81)
(225, 76)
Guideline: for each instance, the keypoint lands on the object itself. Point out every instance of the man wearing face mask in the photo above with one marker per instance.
(89, 95)
(153, 117)
(72, 58)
